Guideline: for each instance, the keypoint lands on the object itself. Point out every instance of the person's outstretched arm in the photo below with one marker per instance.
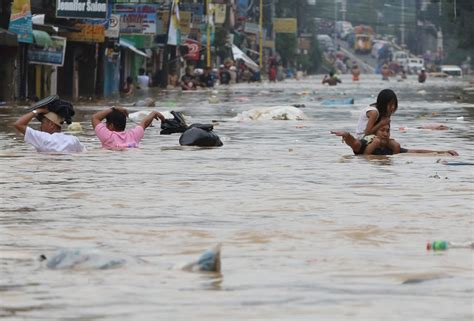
(99, 116)
(24, 120)
(427, 151)
(149, 119)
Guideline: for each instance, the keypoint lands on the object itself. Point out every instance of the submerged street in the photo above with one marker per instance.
(307, 228)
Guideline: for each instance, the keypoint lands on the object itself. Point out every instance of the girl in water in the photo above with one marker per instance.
(371, 119)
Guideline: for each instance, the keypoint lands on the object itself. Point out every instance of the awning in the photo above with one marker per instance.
(239, 54)
(127, 44)
(42, 38)
(8, 39)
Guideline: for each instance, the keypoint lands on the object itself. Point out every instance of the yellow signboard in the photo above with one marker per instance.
(185, 22)
(88, 33)
(285, 25)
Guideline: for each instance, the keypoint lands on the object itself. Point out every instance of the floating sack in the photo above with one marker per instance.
(147, 102)
(209, 261)
(271, 113)
(194, 135)
(337, 102)
(75, 127)
(200, 135)
(81, 259)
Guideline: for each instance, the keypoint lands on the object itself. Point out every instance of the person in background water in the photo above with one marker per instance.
(422, 76)
(113, 135)
(331, 80)
(385, 71)
(206, 79)
(188, 79)
(355, 70)
(143, 80)
(49, 138)
(224, 75)
(381, 144)
(127, 88)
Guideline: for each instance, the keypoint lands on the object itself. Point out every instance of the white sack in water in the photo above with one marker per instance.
(138, 116)
(272, 113)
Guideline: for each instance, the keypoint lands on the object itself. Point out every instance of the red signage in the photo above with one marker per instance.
(194, 50)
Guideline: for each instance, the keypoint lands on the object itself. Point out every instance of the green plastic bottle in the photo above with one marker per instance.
(441, 245)
(437, 245)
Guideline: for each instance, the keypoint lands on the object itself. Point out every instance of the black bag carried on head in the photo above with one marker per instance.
(54, 104)
(175, 125)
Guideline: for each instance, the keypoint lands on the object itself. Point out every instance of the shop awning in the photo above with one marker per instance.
(8, 39)
(42, 38)
(239, 54)
(127, 44)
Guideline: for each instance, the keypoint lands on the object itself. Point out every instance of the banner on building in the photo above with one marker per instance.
(137, 18)
(242, 7)
(89, 33)
(174, 34)
(285, 25)
(51, 54)
(194, 50)
(185, 22)
(20, 21)
(91, 9)
(219, 13)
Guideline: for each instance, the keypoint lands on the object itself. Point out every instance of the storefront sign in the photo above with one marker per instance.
(92, 9)
(89, 33)
(285, 25)
(113, 31)
(251, 28)
(20, 21)
(162, 20)
(52, 54)
(219, 13)
(137, 18)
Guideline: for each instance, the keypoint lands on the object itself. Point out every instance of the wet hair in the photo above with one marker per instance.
(384, 98)
(118, 119)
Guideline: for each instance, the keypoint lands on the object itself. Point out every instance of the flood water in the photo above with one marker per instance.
(308, 231)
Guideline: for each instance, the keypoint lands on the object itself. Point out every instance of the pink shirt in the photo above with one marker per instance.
(126, 139)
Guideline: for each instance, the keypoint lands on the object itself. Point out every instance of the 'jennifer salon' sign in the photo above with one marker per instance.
(91, 9)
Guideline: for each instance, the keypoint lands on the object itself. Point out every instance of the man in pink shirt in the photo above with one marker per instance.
(112, 133)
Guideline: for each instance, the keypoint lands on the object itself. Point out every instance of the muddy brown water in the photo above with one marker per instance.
(307, 230)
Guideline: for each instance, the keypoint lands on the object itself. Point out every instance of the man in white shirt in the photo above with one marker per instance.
(49, 138)
(143, 81)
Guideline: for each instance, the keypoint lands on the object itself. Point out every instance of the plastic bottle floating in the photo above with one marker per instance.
(441, 245)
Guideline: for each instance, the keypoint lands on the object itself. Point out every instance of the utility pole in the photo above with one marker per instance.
(261, 34)
(402, 26)
(208, 35)
(343, 9)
